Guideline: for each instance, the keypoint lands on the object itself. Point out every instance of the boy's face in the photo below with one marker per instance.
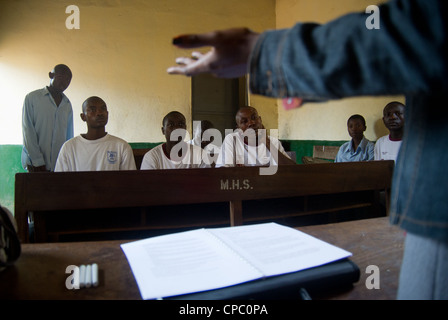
(356, 128)
(393, 117)
(173, 122)
(95, 114)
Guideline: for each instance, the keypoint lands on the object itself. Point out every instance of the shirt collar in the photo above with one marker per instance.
(362, 145)
(46, 92)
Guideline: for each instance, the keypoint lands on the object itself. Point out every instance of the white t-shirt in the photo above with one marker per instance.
(386, 149)
(156, 159)
(233, 153)
(106, 153)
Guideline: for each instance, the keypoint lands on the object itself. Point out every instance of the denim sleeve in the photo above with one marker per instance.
(344, 58)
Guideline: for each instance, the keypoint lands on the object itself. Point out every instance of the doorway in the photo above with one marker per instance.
(217, 100)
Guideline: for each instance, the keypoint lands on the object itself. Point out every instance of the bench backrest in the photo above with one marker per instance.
(325, 152)
(36, 192)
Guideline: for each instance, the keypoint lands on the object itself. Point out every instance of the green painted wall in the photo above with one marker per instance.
(305, 147)
(144, 145)
(10, 164)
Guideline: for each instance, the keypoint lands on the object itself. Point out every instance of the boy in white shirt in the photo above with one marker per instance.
(245, 148)
(387, 147)
(174, 154)
(95, 150)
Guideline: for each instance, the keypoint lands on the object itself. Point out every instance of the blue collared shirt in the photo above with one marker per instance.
(364, 152)
(45, 128)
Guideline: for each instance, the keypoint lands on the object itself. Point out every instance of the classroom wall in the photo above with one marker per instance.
(120, 53)
(122, 50)
(327, 121)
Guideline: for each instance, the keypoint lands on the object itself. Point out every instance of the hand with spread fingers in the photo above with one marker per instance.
(227, 58)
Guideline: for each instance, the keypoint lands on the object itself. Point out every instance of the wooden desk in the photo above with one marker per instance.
(94, 203)
(40, 271)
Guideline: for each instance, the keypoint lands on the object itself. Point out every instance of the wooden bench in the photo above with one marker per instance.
(322, 154)
(92, 203)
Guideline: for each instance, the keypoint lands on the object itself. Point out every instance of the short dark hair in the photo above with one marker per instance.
(62, 68)
(86, 102)
(393, 103)
(357, 116)
(169, 114)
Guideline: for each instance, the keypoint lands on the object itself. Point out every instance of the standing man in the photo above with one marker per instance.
(47, 122)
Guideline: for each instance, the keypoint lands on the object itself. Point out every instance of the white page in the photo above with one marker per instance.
(275, 249)
(185, 262)
(199, 260)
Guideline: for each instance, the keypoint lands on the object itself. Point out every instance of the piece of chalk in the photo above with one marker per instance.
(82, 276)
(95, 275)
(88, 276)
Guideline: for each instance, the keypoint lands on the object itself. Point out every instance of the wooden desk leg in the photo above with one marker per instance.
(236, 213)
(387, 192)
(40, 228)
(22, 225)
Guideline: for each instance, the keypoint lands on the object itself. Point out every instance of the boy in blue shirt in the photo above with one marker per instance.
(359, 148)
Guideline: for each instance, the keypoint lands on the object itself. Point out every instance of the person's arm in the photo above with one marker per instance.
(339, 155)
(273, 148)
(128, 162)
(371, 151)
(62, 163)
(377, 151)
(227, 59)
(344, 58)
(37, 169)
(149, 162)
(339, 59)
(30, 140)
(70, 128)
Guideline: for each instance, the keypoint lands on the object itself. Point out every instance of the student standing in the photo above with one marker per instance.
(47, 122)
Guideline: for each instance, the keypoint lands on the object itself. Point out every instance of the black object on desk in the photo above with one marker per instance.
(339, 274)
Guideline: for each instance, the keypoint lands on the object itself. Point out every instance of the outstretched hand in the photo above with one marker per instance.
(227, 58)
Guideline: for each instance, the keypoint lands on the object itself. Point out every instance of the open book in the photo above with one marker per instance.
(205, 259)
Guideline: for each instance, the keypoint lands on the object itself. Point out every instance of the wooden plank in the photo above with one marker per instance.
(61, 191)
(236, 213)
(325, 152)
